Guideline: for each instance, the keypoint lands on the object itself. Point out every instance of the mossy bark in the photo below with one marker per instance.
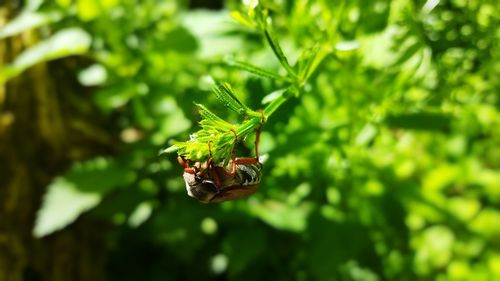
(46, 121)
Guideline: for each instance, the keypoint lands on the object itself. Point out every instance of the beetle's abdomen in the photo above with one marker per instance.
(249, 174)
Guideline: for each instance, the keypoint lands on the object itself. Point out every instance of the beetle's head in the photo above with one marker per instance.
(200, 188)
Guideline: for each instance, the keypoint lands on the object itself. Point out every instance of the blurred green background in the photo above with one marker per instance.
(386, 167)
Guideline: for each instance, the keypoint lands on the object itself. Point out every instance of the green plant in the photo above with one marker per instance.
(217, 136)
(383, 156)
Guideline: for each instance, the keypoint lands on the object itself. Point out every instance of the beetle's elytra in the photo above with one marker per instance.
(216, 184)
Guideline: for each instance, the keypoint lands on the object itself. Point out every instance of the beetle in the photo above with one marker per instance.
(214, 184)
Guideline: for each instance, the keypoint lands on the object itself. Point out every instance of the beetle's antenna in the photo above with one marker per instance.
(257, 135)
(233, 156)
(233, 150)
(209, 149)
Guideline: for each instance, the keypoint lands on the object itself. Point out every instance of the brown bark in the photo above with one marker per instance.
(46, 121)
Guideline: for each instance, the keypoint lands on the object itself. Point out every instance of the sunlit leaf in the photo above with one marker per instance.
(227, 97)
(67, 42)
(140, 214)
(211, 30)
(62, 204)
(93, 75)
(25, 21)
(243, 19)
(79, 190)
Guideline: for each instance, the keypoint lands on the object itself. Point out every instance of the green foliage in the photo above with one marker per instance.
(214, 140)
(382, 128)
(79, 190)
(66, 42)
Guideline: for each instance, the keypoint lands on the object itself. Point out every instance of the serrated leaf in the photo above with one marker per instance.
(170, 149)
(213, 119)
(226, 96)
(62, 204)
(67, 42)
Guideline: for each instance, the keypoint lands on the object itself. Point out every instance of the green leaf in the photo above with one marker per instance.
(408, 54)
(226, 96)
(251, 4)
(272, 96)
(256, 70)
(79, 190)
(67, 42)
(62, 204)
(310, 60)
(279, 52)
(100, 175)
(243, 19)
(25, 21)
(179, 40)
(93, 75)
(141, 214)
(277, 101)
(212, 119)
(212, 30)
(170, 149)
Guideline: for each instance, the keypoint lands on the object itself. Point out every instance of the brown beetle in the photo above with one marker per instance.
(213, 184)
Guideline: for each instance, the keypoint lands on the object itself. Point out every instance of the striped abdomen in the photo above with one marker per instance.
(250, 174)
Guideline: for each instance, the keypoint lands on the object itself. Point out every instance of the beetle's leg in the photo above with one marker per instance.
(190, 170)
(208, 164)
(257, 139)
(197, 169)
(209, 149)
(246, 161)
(233, 150)
(233, 158)
(257, 135)
(216, 178)
(185, 164)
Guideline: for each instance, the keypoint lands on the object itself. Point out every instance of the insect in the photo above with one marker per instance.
(214, 184)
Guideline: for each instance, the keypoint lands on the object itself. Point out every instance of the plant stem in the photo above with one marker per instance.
(251, 124)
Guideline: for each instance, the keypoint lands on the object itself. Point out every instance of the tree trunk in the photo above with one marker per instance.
(46, 121)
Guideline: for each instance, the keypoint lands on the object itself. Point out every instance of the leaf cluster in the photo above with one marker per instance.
(217, 137)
